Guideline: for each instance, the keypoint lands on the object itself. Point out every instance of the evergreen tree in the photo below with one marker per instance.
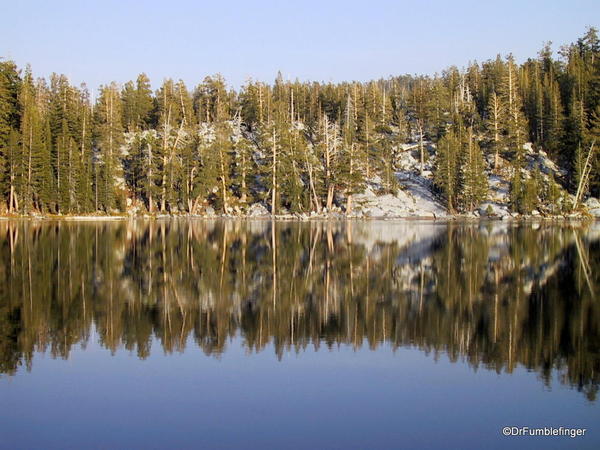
(446, 167)
(473, 179)
(9, 124)
(137, 104)
(495, 122)
(351, 172)
(45, 175)
(108, 183)
(243, 164)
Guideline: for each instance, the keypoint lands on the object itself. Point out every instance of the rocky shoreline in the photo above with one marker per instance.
(478, 215)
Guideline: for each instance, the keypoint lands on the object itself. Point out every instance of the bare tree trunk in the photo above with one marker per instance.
(328, 165)
(163, 200)
(149, 181)
(223, 181)
(70, 174)
(29, 199)
(96, 186)
(110, 148)
(330, 194)
(421, 150)
(311, 182)
(349, 189)
(260, 104)
(58, 171)
(243, 198)
(274, 176)
(496, 118)
(367, 149)
(587, 169)
(82, 154)
(11, 197)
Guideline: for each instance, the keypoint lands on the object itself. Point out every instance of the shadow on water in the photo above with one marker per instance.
(491, 294)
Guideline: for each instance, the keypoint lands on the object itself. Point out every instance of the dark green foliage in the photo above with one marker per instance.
(473, 179)
(109, 190)
(447, 167)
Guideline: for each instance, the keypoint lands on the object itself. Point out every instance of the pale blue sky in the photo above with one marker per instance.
(109, 40)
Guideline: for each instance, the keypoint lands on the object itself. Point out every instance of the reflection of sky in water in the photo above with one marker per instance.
(428, 334)
(325, 399)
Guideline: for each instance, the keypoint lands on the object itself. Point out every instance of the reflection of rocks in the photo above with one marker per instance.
(492, 293)
(399, 233)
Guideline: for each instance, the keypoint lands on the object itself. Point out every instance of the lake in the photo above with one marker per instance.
(328, 334)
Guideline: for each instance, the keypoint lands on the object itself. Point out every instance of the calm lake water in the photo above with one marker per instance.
(321, 335)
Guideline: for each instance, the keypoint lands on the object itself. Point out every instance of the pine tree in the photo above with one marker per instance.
(530, 200)
(473, 179)
(420, 112)
(495, 120)
(141, 166)
(515, 124)
(30, 132)
(222, 148)
(446, 167)
(185, 159)
(45, 175)
(243, 164)
(270, 146)
(291, 187)
(174, 107)
(516, 189)
(14, 164)
(109, 182)
(9, 124)
(551, 196)
(205, 179)
(64, 118)
(328, 147)
(594, 137)
(137, 104)
(83, 160)
(350, 170)
(515, 132)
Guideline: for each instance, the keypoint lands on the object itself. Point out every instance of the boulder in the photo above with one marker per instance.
(257, 210)
(490, 209)
(375, 211)
(592, 203)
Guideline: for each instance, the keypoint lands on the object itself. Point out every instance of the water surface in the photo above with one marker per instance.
(253, 334)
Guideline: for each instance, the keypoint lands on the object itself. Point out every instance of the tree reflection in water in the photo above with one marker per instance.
(491, 294)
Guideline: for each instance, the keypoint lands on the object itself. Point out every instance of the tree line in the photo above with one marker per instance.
(296, 146)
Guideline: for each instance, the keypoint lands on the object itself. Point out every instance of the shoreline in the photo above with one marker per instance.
(301, 218)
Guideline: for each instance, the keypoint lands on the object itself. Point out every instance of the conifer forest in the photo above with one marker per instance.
(302, 147)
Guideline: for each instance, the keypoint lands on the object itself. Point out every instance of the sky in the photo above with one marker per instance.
(101, 41)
